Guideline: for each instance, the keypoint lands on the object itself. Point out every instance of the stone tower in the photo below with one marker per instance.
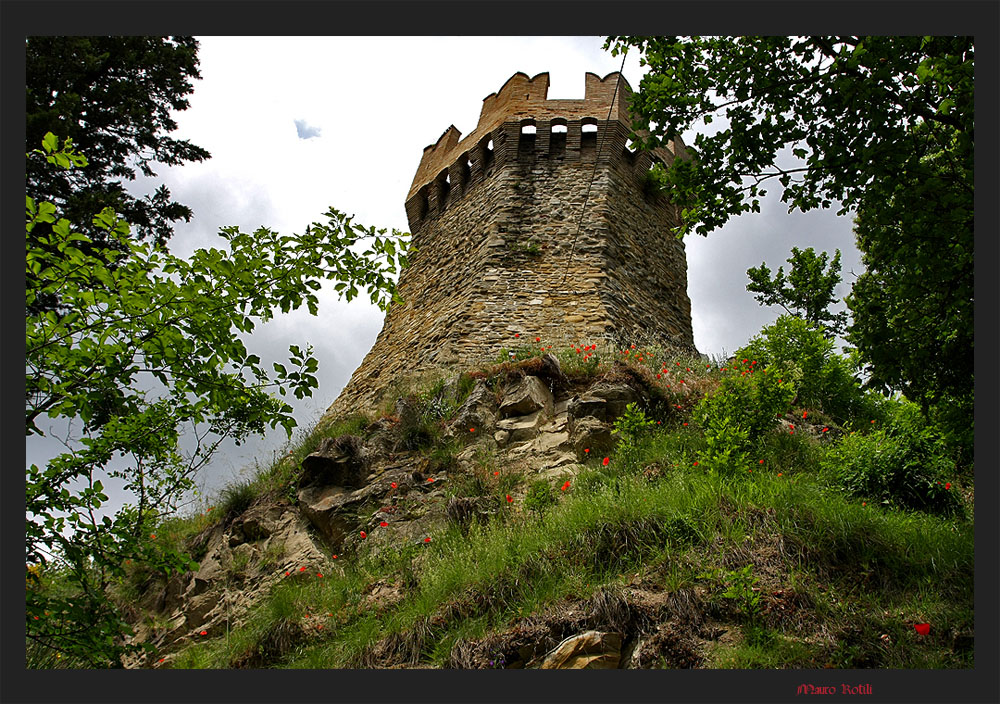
(504, 244)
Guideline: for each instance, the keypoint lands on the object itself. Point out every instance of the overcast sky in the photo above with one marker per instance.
(298, 124)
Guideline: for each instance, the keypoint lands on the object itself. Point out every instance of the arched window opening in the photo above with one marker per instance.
(486, 152)
(465, 169)
(443, 188)
(422, 203)
(588, 135)
(557, 140)
(526, 144)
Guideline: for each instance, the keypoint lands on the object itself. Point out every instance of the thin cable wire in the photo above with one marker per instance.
(600, 148)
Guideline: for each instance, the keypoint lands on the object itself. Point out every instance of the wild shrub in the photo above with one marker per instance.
(579, 366)
(634, 427)
(417, 428)
(235, 499)
(905, 463)
(736, 417)
(828, 381)
(540, 496)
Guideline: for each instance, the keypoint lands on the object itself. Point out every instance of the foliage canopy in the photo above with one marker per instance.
(113, 96)
(884, 126)
(144, 350)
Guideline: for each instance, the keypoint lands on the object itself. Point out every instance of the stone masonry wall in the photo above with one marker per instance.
(501, 246)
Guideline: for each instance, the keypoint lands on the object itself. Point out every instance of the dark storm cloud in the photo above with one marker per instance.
(305, 130)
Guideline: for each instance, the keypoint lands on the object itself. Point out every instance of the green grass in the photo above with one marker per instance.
(522, 562)
(854, 573)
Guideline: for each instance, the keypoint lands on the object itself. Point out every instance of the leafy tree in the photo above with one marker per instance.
(913, 305)
(113, 96)
(808, 290)
(884, 125)
(168, 325)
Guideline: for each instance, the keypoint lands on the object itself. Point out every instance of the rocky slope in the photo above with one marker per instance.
(359, 494)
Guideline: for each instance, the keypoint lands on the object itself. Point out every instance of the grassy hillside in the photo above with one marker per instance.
(753, 513)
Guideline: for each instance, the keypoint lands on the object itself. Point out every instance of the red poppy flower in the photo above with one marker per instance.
(204, 633)
(586, 449)
(779, 381)
(393, 485)
(864, 503)
(922, 628)
(383, 524)
(659, 376)
(153, 536)
(947, 485)
(825, 430)
(565, 486)
(496, 474)
(804, 413)
(363, 535)
(334, 557)
(319, 626)
(287, 573)
(303, 569)
(430, 480)
(161, 659)
(685, 424)
(744, 361)
(538, 339)
(517, 334)
(688, 368)
(873, 421)
(320, 575)
(509, 499)
(606, 460)
(695, 464)
(779, 474)
(472, 430)
(761, 462)
(427, 540)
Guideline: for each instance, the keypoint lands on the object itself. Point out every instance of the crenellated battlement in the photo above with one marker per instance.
(539, 223)
(558, 130)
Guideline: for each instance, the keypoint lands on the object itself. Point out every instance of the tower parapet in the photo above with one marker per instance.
(504, 245)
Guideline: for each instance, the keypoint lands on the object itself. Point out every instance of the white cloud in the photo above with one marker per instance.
(305, 130)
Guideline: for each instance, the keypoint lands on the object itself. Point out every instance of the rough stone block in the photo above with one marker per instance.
(592, 650)
(522, 427)
(529, 395)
